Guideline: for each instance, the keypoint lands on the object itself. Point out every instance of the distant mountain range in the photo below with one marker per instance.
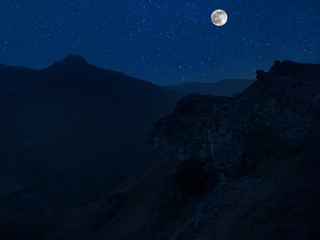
(225, 87)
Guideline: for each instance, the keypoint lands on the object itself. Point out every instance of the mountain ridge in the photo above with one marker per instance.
(225, 87)
(67, 109)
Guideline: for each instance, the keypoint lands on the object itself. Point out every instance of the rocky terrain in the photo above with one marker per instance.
(242, 167)
(263, 145)
(284, 101)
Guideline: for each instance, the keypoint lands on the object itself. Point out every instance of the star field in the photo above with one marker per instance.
(166, 42)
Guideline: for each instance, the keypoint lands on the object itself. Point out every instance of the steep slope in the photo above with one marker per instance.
(72, 132)
(225, 87)
(123, 214)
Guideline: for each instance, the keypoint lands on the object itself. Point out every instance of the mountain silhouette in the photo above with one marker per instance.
(224, 87)
(72, 131)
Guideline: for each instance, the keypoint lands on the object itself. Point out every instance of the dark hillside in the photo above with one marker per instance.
(74, 130)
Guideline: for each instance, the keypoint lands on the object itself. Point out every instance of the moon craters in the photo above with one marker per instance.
(219, 17)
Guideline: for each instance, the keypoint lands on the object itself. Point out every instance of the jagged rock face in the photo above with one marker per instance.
(285, 100)
(188, 127)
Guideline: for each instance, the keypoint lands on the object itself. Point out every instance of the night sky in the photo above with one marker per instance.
(163, 41)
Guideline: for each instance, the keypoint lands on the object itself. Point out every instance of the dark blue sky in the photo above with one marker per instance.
(163, 41)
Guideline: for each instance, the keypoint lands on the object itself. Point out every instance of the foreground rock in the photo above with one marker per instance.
(264, 147)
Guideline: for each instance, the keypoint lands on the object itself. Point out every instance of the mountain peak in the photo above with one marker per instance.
(71, 62)
(74, 59)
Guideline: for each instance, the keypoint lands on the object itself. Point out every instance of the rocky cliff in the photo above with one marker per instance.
(284, 101)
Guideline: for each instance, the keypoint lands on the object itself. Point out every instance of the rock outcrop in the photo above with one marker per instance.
(284, 101)
(264, 147)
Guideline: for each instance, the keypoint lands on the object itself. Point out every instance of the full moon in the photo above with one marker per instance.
(219, 17)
